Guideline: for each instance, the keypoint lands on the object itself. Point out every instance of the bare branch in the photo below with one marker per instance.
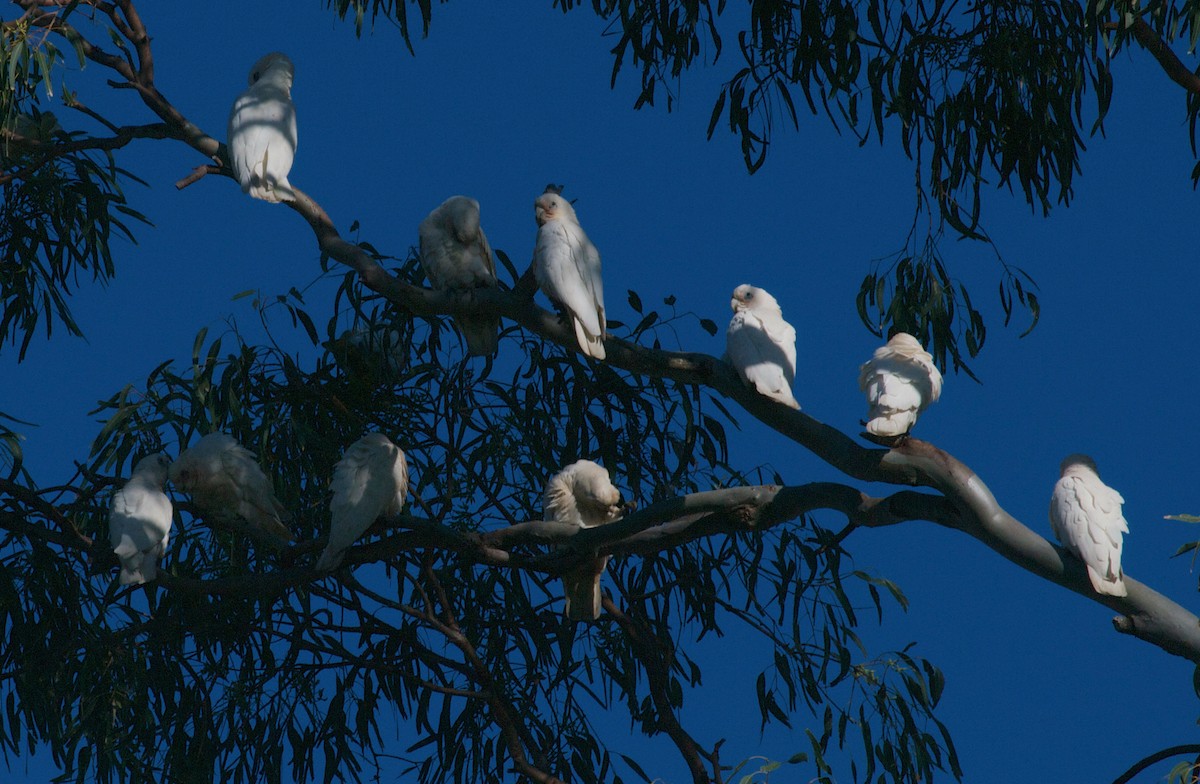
(648, 650)
(1166, 57)
(1158, 756)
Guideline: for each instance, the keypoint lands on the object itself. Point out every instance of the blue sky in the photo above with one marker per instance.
(496, 105)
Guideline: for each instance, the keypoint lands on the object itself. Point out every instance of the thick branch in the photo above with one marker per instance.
(1159, 756)
(1166, 57)
(49, 151)
(1144, 612)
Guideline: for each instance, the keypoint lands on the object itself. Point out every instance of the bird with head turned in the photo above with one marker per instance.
(370, 480)
(139, 520)
(230, 488)
(900, 381)
(582, 494)
(456, 255)
(760, 345)
(262, 134)
(1086, 517)
(567, 267)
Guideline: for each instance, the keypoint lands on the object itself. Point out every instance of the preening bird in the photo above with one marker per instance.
(224, 480)
(371, 479)
(900, 381)
(456, 255)
(582, 494)
(567, 267)
(1085, 515)
(262, 130)
(139, 520)
(761, 345)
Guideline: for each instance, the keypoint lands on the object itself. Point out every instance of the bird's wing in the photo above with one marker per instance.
(399, 469)
(895, 387)
(262, 135)
(783, 335)
(762, 361)
(558, 502)
(139, 528)
(1103, 507)
(257, 501)
(485, 251)
(1080, 522)
(570, 273)
(363, 487)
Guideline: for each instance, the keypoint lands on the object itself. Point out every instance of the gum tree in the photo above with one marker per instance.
(448, 622)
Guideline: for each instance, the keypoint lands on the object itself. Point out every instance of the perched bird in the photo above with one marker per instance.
(139, 520)
(1085, 515)
(371, 479)
(226, 483)
(262, 130)
(567, 267)
(582, 494)
(456, 255)
(900, 381)
(761, 345)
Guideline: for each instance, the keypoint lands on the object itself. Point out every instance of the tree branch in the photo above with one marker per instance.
(1158, 756)
(648, 651)
(1179, 73)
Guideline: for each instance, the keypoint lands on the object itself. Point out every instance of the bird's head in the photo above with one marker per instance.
(546, 207)
(275, 63)
(905, 342)
(180, 474)
(552, 206)
(1075, 460)
(747, 297)
(155, 465)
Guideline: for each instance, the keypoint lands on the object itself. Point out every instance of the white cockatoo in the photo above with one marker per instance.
(582, 494)
(456, 255)
(567, 267)
(900, 381)
(1085, 515)
(371, 479)
(761, 345)
(139, 520)
(224, 480)
(262, 130)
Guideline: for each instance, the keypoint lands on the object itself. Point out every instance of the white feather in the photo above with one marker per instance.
(262, 134)
(900, 381)
(1085, 515)
(583, 494)
(371, 479)
(567, 267)
(225, 482)
(456, 255)
(761, 345)
(139, 520)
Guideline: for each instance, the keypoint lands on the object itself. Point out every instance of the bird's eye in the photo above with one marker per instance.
(749, 295)
(254, 76)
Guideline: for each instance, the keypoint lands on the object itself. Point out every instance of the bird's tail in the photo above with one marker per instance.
(582, 596)
(592, 345)
(1114, 586)
(782, 395)
(330, 560)
(481, 334)
(891, 423)
(269, 188)
(582, 591)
